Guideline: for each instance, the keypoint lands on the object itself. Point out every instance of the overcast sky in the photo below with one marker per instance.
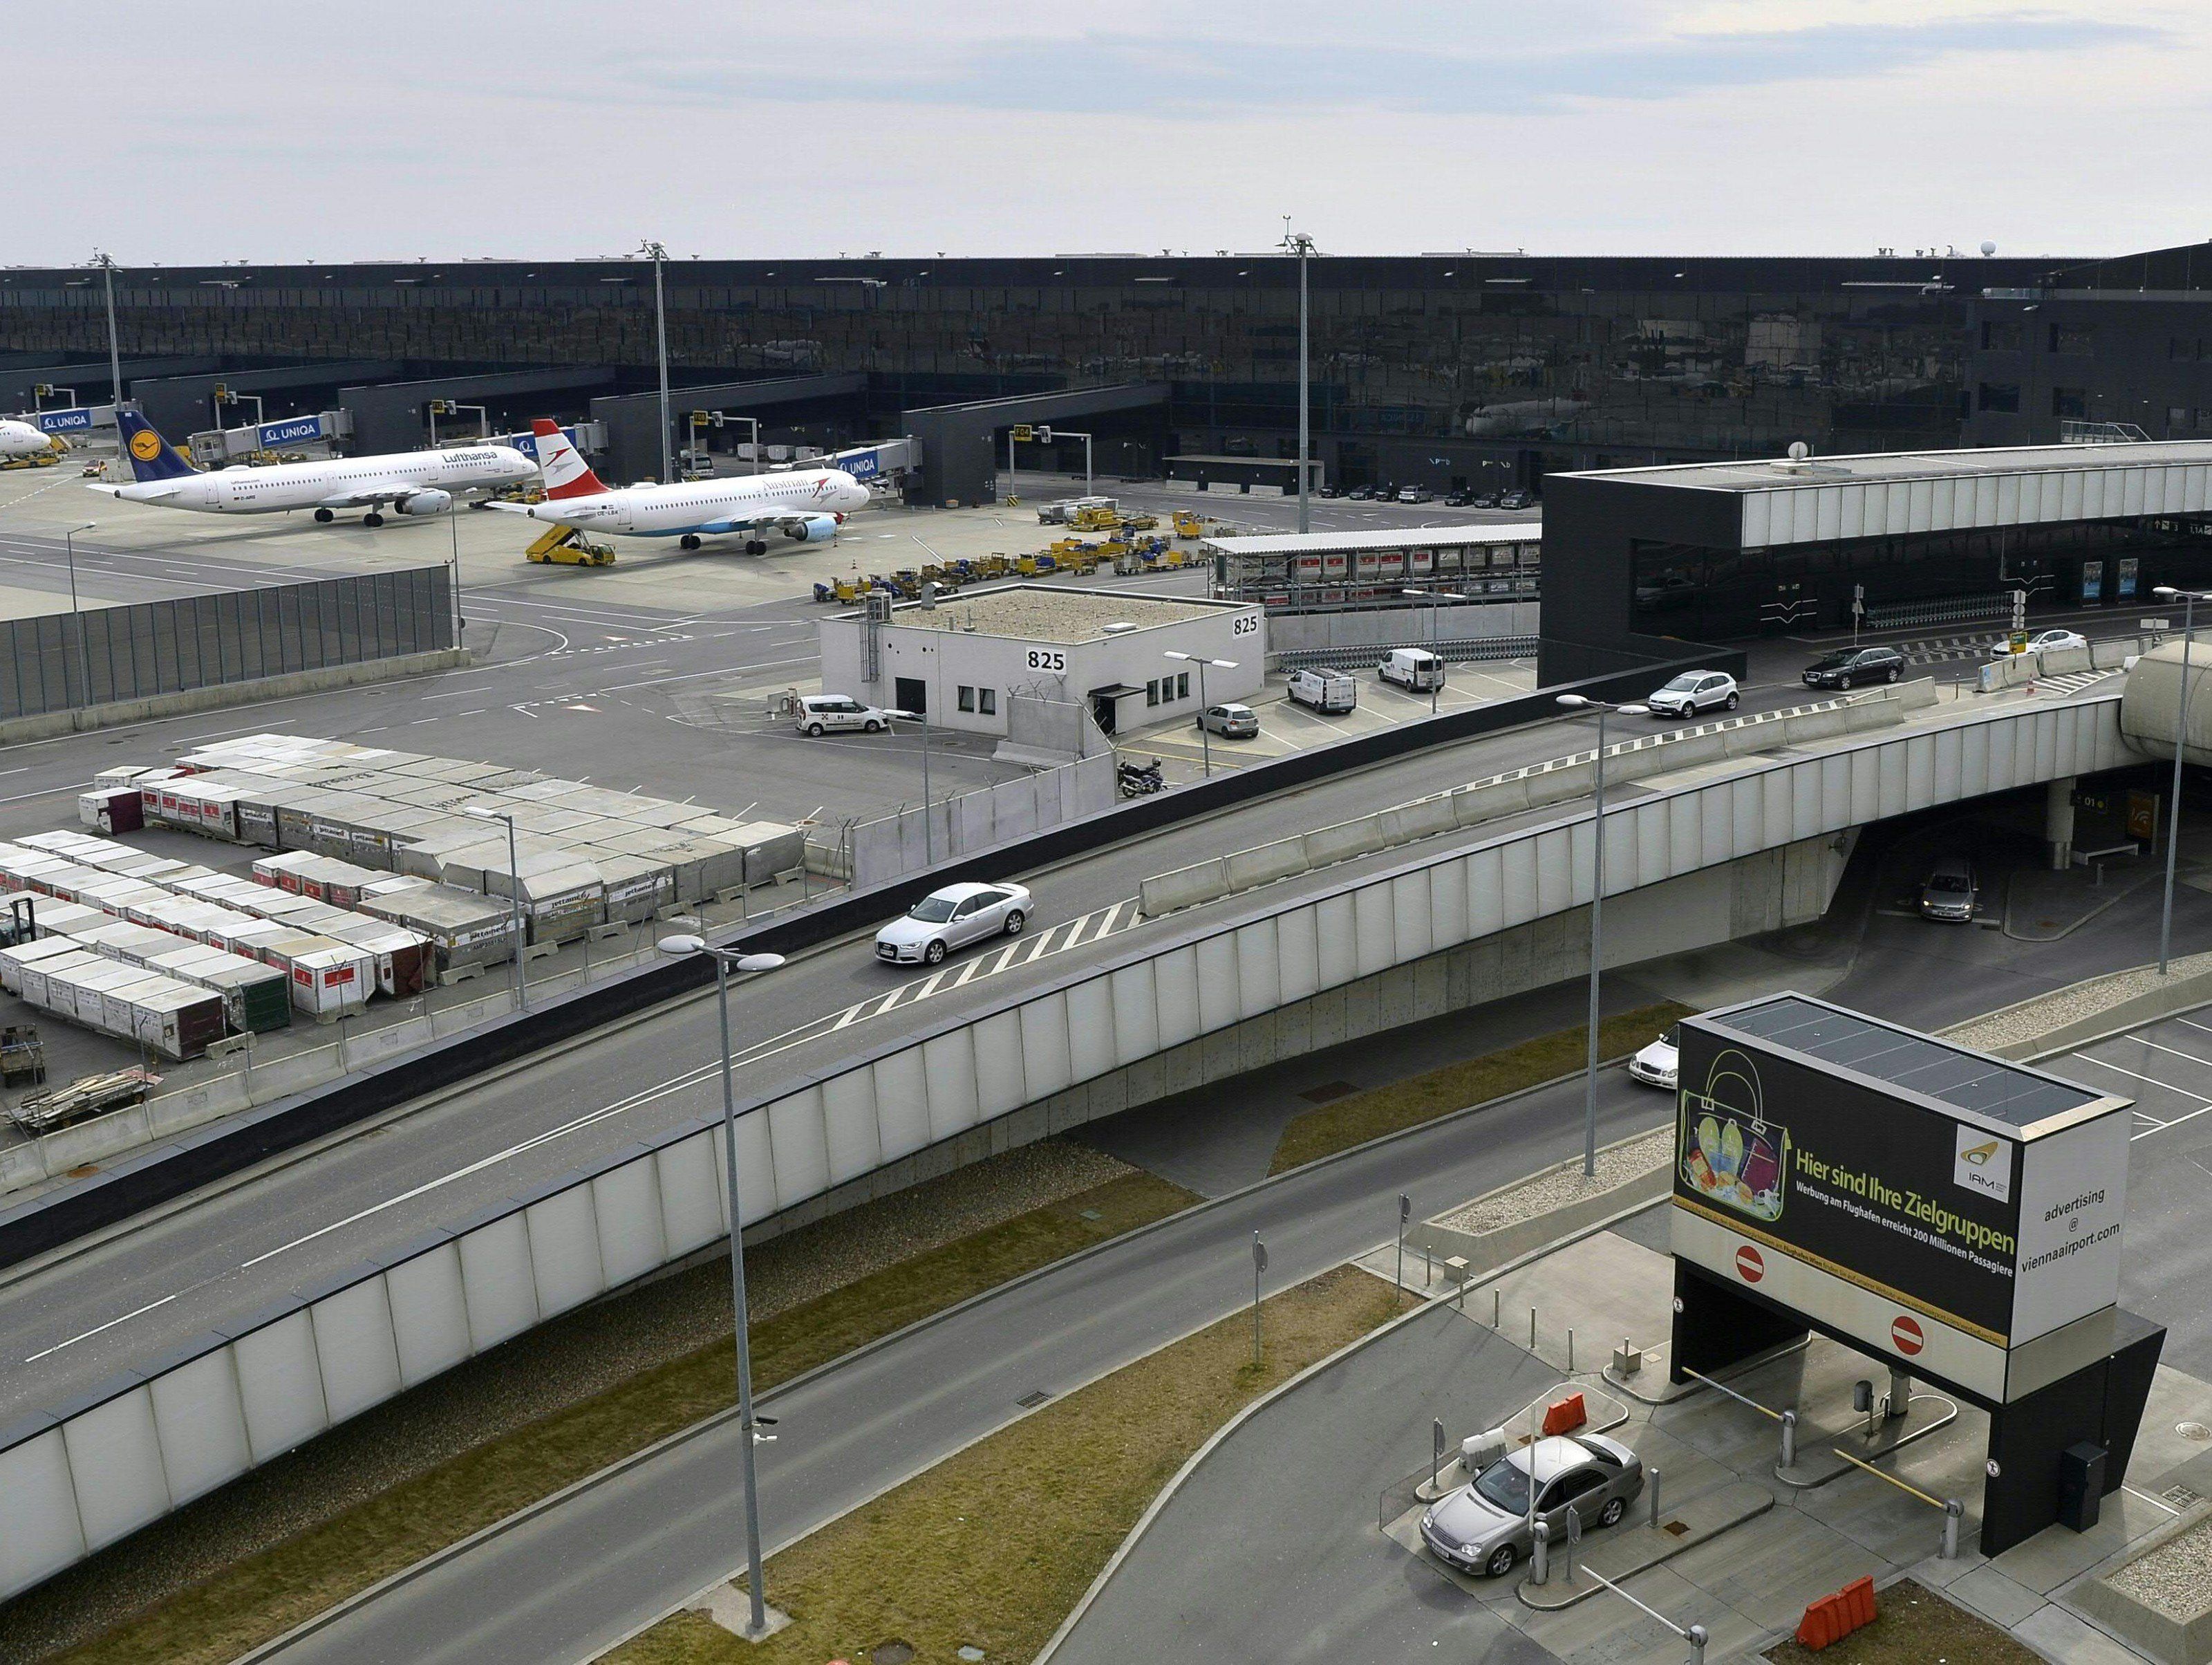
(191, 133)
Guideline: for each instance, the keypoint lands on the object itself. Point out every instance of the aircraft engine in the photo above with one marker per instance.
(813, 528)
(423, 502)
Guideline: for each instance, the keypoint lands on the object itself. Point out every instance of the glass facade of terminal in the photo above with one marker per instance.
(1448, 368)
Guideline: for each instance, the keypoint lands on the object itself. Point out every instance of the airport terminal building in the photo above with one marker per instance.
(1643, 560)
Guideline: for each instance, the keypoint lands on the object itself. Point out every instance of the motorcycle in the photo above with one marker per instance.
(1141, 780)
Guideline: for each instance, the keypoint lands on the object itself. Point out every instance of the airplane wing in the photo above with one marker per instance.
(505, 508)
(369, 496)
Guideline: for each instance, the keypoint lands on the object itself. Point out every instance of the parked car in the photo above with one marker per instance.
(1954, 890)
(1516, 499)
(1693, 692)
(1326, 692)
(1229, 722)
(2043, 641)
(820, 714)
(1485, 500)
(1483, 1526)
(1328, 492)
(1850, 666)
(1362, 494)
(951, 919)
(1415, 494)
(1659, 1064)
(1413, 669)
(1458, 499)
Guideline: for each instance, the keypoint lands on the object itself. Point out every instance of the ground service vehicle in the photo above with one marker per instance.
(1413, 669)
(1323, 690)
(820, 714)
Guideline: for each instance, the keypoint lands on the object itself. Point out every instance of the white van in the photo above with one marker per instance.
(1324, 691)
(820, 714)
(1416, 668)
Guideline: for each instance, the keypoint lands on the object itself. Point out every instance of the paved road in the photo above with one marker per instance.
(553, 1589)
(1290, 1502)
(69, 1325)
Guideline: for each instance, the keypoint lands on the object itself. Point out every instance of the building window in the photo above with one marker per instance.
(2070, 402)
(1152, 693)
(2180, 415)
(966, 698)
(2000, 335)
(2072, 339)
(989, 698)
(2000, 395)
(1183, 685)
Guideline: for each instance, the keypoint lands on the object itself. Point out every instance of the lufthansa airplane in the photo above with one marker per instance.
(808, 504)
(412, 482)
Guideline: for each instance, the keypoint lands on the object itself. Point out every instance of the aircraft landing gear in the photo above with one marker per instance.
(755, 545)
(371, 518)
(324, 516)
(688, 540)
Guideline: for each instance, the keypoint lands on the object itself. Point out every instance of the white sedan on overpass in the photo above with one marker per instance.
(951, 919)
(2043, 641)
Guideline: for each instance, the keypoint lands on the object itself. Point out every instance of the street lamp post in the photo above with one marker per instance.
(1577, 702)
(514, 896)
(1205, 739)
(106, 265)
(83, 647)
(660, 335)
(1303, 245)
(2188, 599)
(1434, 598)
(725, 961)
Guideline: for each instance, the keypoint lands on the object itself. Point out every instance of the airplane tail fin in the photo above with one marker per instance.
(567, 474)
(152, 457)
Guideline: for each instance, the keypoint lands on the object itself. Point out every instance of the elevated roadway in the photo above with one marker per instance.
(499, 1164)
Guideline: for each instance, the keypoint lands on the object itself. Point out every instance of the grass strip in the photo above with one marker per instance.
(1914, 1626)
(1360, 1117)
(996, 1545)
(268, 1594)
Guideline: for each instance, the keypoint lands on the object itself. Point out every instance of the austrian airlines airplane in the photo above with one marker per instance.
(412, 482)
(21, 439)
(808, 504)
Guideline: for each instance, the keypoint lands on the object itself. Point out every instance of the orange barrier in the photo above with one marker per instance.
(1567, 1413)
(1832, 1618)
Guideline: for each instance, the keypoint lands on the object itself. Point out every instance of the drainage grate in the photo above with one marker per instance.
(1093, 1214)
(1675, 1529)
(1323, 1093)
(2181, 1497)
(1031, 1401)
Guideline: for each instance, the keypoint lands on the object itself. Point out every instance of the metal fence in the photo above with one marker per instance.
(62, 661)
(1460, 651)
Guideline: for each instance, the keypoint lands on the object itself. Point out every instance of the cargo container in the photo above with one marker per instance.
(35, 953)
(401, 960)
(331, 981)
(34, 977)
(463, 927)
(256, 998)
(637, 887)
(112, 810)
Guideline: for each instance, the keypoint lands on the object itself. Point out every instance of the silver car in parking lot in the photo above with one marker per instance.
(1483, 1526)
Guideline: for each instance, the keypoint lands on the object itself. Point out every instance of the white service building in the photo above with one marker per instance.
(961, 659)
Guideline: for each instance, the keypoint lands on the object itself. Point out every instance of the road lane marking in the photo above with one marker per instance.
(88, 1335)
(2153, 1079)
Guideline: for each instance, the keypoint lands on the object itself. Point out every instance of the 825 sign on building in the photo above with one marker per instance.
(1047, 659)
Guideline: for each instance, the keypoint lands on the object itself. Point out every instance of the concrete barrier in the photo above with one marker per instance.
(1249, 868)
(1490, 799)
(1187, 886)
(2065, 662)
(1341, 842)
(18, 731)
(2113, 654)
(1417, 821)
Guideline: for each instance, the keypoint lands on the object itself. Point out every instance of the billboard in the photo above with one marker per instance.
(862, 465)
(77, 421)
(292, 430)
(1926, 1230)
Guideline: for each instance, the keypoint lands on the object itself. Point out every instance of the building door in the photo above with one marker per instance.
(1101, 708)
(912, 693)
